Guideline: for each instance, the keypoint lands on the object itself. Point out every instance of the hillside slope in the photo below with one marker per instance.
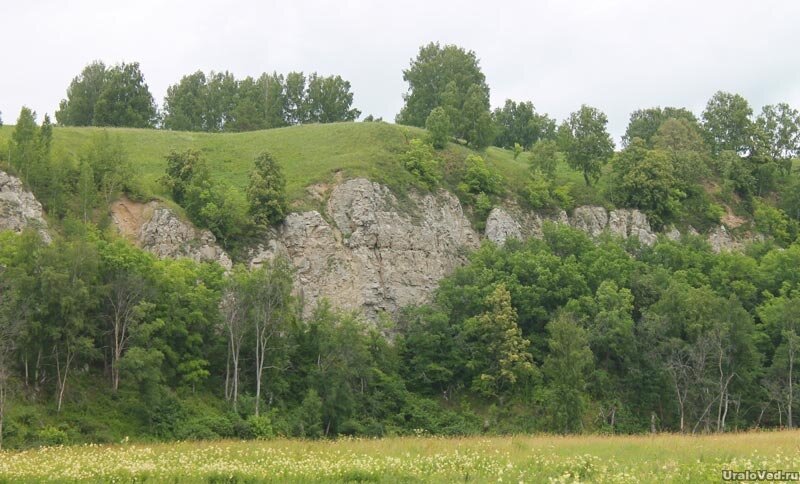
(309, 154)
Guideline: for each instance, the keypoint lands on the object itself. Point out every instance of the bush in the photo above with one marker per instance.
(439, 128)
(260, 427)
(421, 162)
(51, 436)
(479, 178)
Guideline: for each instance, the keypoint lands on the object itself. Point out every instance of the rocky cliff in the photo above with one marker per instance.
(368, 250)
(19, 209)
(157, 229)
(371, 251)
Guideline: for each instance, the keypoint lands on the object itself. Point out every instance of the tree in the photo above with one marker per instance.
(645, 179)
(110, 165)
(499, 356)
(645, 123)
(439, 127)
(24, 152)
(545, 157)
(125, 99)
(449, 77)
(780, 124)
(586, 142)
(275, 102)
(329, 100)
(270, 312)
(186, 104)
(126, 307)
(266, 192)
(222, 90)
(10, 328)
(235, 311)
(475, 121)
(565, 368)
(519, 123)
(295, 91)
(78, 109)
(182, 168)
(727, 123)
(781, 316)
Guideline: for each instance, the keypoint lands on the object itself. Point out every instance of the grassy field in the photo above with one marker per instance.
(661, 458)
(309, 154)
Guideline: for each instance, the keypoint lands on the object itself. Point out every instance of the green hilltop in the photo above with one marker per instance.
(308, 154)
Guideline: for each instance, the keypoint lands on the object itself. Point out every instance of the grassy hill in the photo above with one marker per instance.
(309, 154)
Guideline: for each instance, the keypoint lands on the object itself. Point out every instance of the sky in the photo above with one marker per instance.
(615, 55)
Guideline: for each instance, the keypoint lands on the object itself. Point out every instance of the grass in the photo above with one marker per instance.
(660, 458)
(309, 154)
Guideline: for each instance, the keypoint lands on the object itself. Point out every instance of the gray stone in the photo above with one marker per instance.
(377, 255)
(500, 227)
(19, 209)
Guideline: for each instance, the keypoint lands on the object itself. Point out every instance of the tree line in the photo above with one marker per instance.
(563, 334)
(118, 96)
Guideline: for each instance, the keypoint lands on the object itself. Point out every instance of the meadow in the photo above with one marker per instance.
(308, 154)
(646, 458)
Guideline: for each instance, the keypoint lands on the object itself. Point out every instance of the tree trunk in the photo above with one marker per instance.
(62, 380)
(791, 394)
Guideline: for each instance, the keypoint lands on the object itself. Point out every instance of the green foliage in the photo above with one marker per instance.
(517, 150)
(310, 416)
(727, 124)
(519, 123)
(774, 222)
(448, 77)
(439, 127)
(645, 123)
(586, 143)
(100, 96)
(260, 427)
(478, 178)
(565, 369)
(219, 102)
(420, 160)
(266, 192)
(498, 354)
(645, 179)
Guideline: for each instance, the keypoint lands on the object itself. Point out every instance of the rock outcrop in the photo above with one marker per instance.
(625, 223)
(19, 209)
(372, 251)
(159, 230)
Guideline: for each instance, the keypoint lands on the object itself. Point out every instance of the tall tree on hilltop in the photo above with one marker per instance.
(727, 123)
(585, 141)
(328, 100)
(125, 99)
(520, 123)
(82, 95)
(450, 77)
(186, 104)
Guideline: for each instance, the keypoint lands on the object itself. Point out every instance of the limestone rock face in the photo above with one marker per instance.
(372, 252)
(502, 224)
(19, 209)
(159, 230)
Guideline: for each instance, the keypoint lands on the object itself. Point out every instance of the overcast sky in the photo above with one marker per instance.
(616, 55)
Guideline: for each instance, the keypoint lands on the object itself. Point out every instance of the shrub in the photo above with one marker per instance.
(421, 162)
(479, 178)
(260, 427)
(51, 436)
(439, 127)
